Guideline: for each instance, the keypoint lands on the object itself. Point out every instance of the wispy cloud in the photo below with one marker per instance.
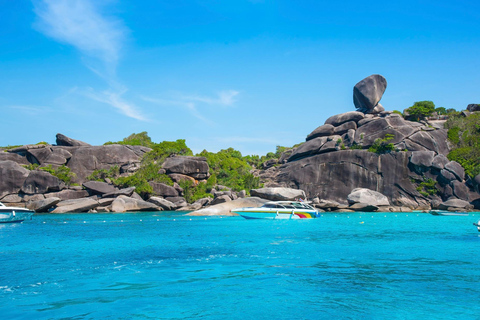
(31, 110)
(224, 98)
(190, 106)
(115, 100)
(79, 23)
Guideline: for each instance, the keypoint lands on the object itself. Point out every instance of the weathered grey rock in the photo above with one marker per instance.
(422, 160)
(124, 204)
(473, 107)
(177, 177)
(455, 203)
(99, 187)
(191, 166)
(368, 92)
(63, 140)
(378, 129)
(333, 175)
(367, 196)
(269, 163)
(122, 192)
(349, 138)
(378, 109)
(327, 204)
(363, 207)
(476, 203)
(460, 190)
(309, 148)
(192, 207)
(341, 118)
(224, 209)
(78, 205)
(178, 201)
(12, 198)
(278, 194)
(243, 193)
(67, 194)
(8, 156)
(162, 203)
(439, 162)
(221, 199)
(41, 182)
(85, 159)
(322, 131)
(455, 168)
(161, 189)
(12, 177)
(43, 205)
(343, 128)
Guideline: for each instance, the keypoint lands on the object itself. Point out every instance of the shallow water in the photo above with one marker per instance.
(167, 266)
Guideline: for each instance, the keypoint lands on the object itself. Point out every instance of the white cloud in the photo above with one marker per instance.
(224, 98)
(79, 23)
(31, 110)
(190, 106)
(115, 100)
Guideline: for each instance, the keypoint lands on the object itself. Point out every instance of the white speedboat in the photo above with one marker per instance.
(14, 214)
(447, 213)
(279, 210)
(477, 224)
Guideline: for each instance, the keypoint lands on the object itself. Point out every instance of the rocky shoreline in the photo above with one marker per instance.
(337, 168)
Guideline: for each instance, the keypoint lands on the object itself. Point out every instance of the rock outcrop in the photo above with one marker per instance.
(368, 93)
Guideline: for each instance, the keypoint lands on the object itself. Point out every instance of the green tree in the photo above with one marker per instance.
(135, 139)
(420, 110)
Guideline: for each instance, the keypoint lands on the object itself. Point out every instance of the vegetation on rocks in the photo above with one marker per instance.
(464, 134)
(63, 172)
(381, 146)
(427, 187)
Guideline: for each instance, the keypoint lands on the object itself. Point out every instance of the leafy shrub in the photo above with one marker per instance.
(421, 110)
(102, 174)
(464, 133)
(398, 112)
(427, 187)
(381, 146)
(135, 139)
(165, 149)
(63, 173)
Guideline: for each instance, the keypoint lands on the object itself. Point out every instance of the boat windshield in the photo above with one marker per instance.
(2, 205)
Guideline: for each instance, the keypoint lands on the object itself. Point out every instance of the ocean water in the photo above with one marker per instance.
(168, 266)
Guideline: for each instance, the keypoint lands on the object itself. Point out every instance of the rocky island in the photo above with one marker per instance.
(368, 159)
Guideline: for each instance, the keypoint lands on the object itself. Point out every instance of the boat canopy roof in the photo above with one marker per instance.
(287, 205)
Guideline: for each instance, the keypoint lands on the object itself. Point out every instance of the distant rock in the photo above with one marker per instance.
(4, 156)
(221, 199)
(68, 194)
(422, 160)
(12, 177)
(161, 189)
(439, 162)
(99, 187)
(368, 92)
(122, 192)
(39, 181)
(79, 205)
(322, 131)
(367, 196)
(224, 209)
(162, 203)
(124, 204)
(473, 107)
(63, 140)
(341, 118)
(43, 205)
(278, 194)
(455, 203)
(363, 207)
(195, 167)
(455, 168)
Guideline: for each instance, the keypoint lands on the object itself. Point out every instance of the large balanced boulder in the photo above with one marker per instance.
(12, 177)
(368, 93)
(278, 194)
(367, 196)
(99, 187)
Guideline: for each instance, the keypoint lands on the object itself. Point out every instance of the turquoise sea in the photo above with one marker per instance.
(169, 266)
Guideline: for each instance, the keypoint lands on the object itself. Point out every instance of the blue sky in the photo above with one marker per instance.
(247, 74)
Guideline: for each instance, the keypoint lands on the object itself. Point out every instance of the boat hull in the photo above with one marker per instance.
(12, 216)
(447, 213)
(257, 213)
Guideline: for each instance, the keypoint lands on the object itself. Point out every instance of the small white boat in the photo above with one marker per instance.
(14, 214)
(447, 213)
(279, 210)
(477, 224)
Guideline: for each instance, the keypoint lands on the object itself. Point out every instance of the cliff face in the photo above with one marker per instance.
(335, 159)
